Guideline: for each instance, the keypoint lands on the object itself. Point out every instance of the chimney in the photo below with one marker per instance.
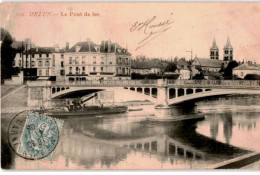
(56, 48)
(109, 46)
(106, 46)
(77, 48)
(102, 45)
(67, 46)
(37, 49)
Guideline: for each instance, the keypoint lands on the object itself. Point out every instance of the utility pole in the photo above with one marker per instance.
(26, 59)
(190, 53)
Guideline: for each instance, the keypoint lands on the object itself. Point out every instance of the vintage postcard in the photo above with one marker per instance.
(127, 86)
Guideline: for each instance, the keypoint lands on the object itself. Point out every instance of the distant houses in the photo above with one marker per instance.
(246, 69)
(175, 70)
(148, 66)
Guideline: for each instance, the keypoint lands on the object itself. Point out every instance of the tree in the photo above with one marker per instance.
(170, 68)
(252, 77)
(199, 76)
(228, 71)
(7, 55)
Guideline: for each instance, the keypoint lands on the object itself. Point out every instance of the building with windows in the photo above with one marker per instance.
(41, 62)
(247, 68)
(213, 65)
(89, 61)
(214, 52)
(228, 51)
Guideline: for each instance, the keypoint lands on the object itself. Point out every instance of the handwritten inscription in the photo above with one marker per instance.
(151, 28)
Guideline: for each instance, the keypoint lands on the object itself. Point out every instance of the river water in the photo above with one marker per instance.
(128, 141)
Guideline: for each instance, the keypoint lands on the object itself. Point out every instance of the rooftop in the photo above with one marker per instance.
(206, 62)
(148, 64)
(246, 66)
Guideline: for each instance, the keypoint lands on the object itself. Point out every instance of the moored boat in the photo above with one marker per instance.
(86, 111)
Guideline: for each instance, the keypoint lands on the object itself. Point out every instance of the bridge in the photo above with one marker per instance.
(161, 92)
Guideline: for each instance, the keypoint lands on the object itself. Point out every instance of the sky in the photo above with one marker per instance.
(193, 26)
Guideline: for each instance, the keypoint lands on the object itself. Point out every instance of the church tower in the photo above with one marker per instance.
(214, 51)
(228, 51)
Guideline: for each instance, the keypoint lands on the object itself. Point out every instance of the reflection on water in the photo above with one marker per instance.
(129, 141)
(234, 121)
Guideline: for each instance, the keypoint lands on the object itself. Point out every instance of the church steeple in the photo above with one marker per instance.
(228, 51)
(214, 51)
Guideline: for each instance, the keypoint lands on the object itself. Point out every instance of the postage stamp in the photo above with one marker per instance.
(39, 137)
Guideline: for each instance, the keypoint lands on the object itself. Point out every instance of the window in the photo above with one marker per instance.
(62, 64)
(110, 62)
(94, 60)
(102, 60)
(62, 72)
(40, 72)
(40, 63)
(53, 62)
(83, 60)
(77, 60)
(101, 69)
(47, 55)
(70, 71)
(27, 63)
(77, 70)
(126, 60)
(40, 55)
(47, 72)
(20, 63)
(83, 70)
(70, 61)
(47, 63)
(33, 63)
(62, 56)
(32, 55)
(94, 69)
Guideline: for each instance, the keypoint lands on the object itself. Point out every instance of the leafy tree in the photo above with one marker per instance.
(252, 77)
(199, 76)
(170, 68)
(228, 71)
(7, 55)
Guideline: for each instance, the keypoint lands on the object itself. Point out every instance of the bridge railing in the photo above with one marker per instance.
(216, 83)
(112, 83)
(128, 83)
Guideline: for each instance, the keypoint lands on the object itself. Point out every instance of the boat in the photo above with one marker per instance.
(85, 111)
(135, 109)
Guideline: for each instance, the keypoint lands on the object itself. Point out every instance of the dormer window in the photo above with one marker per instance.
(77, 48)
(97, 48)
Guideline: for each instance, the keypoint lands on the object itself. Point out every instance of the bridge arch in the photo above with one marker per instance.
(210, 93)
